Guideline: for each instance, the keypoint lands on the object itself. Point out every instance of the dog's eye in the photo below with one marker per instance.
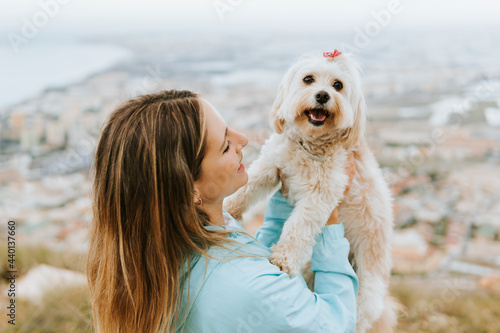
(308, 79)
(338, 85)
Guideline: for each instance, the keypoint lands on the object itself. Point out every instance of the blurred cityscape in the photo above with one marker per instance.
(434, 120)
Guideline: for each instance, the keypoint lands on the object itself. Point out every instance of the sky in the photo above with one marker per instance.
(44, 28)
(91, 17)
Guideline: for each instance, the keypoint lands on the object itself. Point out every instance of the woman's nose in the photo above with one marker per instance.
(243, 141)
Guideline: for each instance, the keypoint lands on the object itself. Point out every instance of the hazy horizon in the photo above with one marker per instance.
(46, 52)
(96, 17)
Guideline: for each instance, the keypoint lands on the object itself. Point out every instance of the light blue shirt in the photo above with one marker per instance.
(249, 294)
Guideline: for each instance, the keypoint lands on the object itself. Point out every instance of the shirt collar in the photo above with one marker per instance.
(230, 223)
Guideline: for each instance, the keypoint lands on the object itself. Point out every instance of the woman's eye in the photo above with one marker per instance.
(308, 79)
(227, 148)
(338, 85)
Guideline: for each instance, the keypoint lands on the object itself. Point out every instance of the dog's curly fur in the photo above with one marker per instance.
(308, 93)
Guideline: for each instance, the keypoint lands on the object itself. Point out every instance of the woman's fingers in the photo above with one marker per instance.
(351, 171)
(284, 189)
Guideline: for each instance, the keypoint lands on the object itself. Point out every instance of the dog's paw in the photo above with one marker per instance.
(280, 261)
(283, 261)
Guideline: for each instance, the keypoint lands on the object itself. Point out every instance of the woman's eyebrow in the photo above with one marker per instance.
(223, 142)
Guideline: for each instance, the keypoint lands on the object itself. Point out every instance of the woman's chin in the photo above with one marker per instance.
(245, 176)
(244, 179)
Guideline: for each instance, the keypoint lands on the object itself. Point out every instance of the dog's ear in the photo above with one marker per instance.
(278, 114)
(277, 123)
(353, 134)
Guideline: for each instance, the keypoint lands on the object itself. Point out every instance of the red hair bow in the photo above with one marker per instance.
(331, 55)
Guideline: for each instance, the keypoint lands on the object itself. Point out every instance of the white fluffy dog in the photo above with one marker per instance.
(319, 116)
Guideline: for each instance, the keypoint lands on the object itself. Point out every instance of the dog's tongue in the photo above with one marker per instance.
(317, 115)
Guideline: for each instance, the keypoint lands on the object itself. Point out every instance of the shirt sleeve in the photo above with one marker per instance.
(278, 210)
(255, 296)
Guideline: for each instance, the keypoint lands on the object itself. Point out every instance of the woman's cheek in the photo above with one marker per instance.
(232, 167)
(225, 175)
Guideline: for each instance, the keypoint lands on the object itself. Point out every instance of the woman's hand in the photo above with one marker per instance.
(284, 188)
(351, 170)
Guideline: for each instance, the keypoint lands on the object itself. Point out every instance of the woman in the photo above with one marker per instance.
(164, 256)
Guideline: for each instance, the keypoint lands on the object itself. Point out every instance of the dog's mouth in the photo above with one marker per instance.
(317, 117)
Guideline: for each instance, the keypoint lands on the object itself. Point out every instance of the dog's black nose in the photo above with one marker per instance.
(322, 97)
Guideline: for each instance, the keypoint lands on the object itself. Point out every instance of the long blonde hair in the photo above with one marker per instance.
(145, 225)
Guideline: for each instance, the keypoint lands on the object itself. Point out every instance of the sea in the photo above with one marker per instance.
(50, 62)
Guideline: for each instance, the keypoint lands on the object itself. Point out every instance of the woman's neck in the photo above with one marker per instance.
(214, 212)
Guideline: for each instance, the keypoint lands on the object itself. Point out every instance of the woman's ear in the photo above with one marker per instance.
(197, 197)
